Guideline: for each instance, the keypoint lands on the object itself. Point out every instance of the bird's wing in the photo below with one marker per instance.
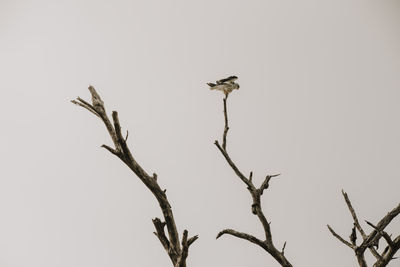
(229, 79)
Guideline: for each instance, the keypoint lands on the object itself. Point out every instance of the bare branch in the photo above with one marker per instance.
(192, 239)
(374, 237)
(112, 150)
(97, 103)
(389, 253)
(371, 240)
(357, 224)
(265, 184)
(85, 105)
(256, 209)
(161, 235)
(353, 214)
(341, 239)
(233, 166)
(358, 252)
(283, 248)
(241, 235)
(99, 110)
(183, 254)
(382, 233)
(126, 136)
(185, 248)
(226, 128)
(121, 150)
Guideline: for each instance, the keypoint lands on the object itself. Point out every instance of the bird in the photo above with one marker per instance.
(226, 85)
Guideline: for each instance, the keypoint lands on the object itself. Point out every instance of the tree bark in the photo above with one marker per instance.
(256, 207)
(176, 251)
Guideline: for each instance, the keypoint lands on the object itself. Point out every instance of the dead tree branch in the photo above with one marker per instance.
(226, 128)
(341, 239)
(256, 208)
(241, 235)
(372, 240)
(171, 244)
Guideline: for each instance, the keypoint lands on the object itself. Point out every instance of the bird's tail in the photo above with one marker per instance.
(211, 85)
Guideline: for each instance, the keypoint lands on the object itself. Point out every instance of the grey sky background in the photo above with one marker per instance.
(318, 103)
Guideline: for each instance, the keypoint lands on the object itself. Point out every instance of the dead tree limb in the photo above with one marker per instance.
(267, 244)
(176, 252)
(371, 241)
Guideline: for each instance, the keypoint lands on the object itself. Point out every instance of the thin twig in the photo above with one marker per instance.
(265, 184)
(85, 105)
(112, 150)
(341, 239)
(241, 235)
(283, 248)
(126, 136)
(226, 128)
(233, 165)
(354, 215)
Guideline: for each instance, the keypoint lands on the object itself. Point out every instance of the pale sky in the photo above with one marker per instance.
(318, 102)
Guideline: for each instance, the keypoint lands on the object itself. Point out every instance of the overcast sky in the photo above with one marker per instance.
(318, 103)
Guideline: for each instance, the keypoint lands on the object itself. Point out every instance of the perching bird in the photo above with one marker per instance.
(226, 85)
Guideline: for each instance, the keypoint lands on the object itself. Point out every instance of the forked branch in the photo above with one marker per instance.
(371, 241)
(171, 244)
(267, 244)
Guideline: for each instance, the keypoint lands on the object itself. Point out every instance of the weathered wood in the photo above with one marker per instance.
(256, 206)
(175, 251)
(372, 240)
